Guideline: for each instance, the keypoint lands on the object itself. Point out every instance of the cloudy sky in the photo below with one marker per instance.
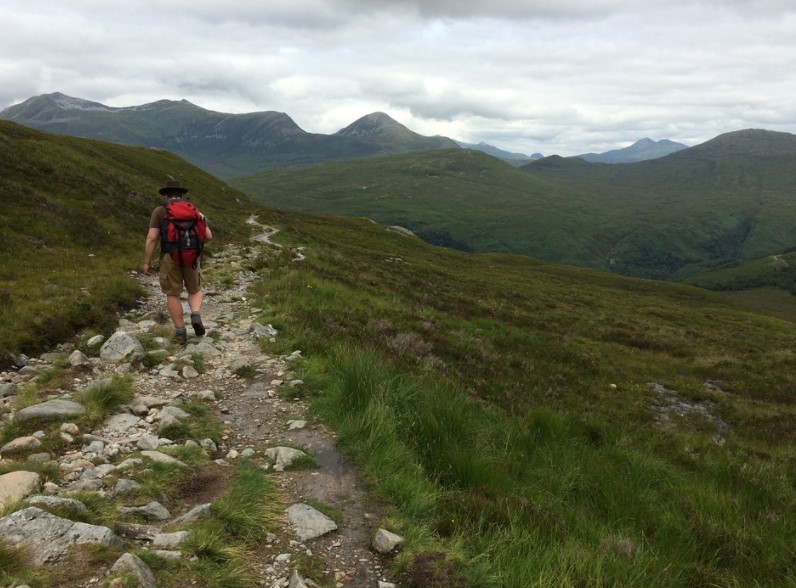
(549, 76)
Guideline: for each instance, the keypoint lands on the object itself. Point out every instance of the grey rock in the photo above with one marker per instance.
(15, 486)
(297, 424)
(207, 395)
(148, 441)
(55, 502)
(208, 445)
(104, 469)
(153, 511)
(202, 511)
(282, 457)
(21, 360)
(49, 410)
(94, 447)
(47, 536)
(189, 372)
(137, 531)
(296, 581)
(309, 523)
(130, 463)
(126, 487)
(120, 346)
(95, 341)
(70, 428)
(121, 423)
(150, 401)
(386, 542)
(174, 411)
(135, 565)
(159, 457)
(7, 390)
(20, 444)
(203, 348)
(261, 331)
(77, 358)
(86, 485)
(167, 553)
(170, 540)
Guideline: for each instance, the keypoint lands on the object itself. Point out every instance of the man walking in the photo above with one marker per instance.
(181, 239)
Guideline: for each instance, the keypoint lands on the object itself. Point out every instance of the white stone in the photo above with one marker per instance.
(15, 486)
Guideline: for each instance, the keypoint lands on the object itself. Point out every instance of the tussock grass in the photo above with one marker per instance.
(102, 399)
(252, 506)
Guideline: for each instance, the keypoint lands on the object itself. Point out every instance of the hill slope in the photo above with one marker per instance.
(226, 145)
(580, 428)
(565, 421)
(73, 221)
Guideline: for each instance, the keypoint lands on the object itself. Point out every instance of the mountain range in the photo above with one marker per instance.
(236, 145)
(641, 150)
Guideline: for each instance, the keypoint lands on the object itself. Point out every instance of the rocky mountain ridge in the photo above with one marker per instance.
(235, 145)
(262, 422)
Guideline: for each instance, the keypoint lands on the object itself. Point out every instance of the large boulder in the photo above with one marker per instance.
(120, 346)
(50, 410)
(46, 537)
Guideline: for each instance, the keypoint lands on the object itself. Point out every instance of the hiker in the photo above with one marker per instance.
(182, 230)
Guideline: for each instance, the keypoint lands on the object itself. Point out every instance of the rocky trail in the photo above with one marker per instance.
(263, 420)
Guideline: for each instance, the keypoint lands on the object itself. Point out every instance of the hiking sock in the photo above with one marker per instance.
(180, 335)
(196, 323)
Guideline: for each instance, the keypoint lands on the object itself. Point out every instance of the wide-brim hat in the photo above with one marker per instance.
(173, 186)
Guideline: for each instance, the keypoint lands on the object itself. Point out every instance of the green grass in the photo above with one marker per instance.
(222, 544)
(502, 408)
(103, 398)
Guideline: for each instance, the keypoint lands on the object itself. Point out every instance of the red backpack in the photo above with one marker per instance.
(183, 232)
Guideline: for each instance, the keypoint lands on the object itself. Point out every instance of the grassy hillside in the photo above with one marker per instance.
(72, 224)
(670, 218)
(458, 198)
(541, 425)
(527, 424)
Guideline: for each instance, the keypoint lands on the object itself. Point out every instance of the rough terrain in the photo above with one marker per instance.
(252, 395)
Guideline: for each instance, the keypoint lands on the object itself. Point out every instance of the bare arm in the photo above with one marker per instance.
(152, 238)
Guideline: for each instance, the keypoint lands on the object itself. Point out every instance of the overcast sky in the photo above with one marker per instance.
(549, 76)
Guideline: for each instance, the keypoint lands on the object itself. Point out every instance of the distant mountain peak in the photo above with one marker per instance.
(370, 124)
(641, 150)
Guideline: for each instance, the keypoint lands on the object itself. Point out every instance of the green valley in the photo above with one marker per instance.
(724, 202)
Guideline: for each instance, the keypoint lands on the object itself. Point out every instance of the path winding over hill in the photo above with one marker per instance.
(257, 412)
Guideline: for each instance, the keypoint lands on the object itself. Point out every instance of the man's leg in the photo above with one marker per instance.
(195, 302)
(174, 304)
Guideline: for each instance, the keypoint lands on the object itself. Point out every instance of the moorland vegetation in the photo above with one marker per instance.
(525, 423)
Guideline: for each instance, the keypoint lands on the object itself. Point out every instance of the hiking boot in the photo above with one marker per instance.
(180, 336)
(196, 323)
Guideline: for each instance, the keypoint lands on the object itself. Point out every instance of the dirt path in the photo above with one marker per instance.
(256, 412)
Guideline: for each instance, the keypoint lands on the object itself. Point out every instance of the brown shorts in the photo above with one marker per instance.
(173, 277)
